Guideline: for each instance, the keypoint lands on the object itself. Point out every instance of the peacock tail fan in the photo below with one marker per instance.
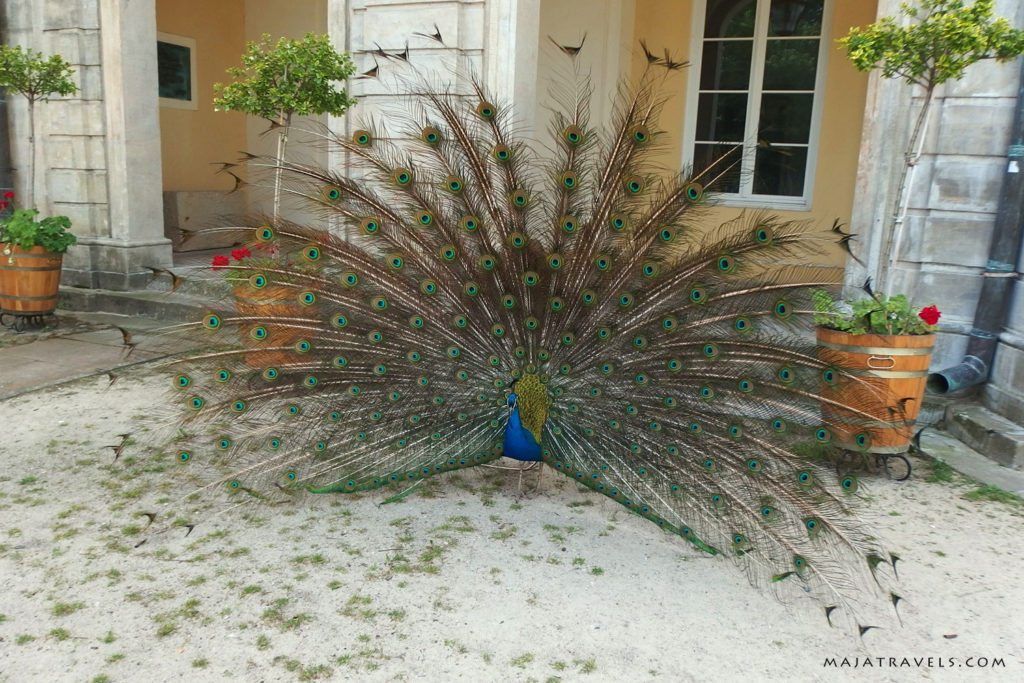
(461, 293)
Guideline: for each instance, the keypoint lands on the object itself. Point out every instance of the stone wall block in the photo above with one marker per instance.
(79, 47)
(76, 14)
(974, 126)
(72, 117)
(966, 183)
(954, 292)
(79, 151)
(954, 238)
(471, 27)
(86, 219)
(949, 350)
(987, 78)
(89, 80)
(1008, 376)
(76, 186)
(393, 23)
(1015, 321)
(100, 265)
(918, 186)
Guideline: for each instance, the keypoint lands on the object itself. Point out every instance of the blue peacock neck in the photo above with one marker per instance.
(529, 402)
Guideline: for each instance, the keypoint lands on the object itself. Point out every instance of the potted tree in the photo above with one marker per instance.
(943, 38)
(32, 250)
(276, 82)
(883, 345)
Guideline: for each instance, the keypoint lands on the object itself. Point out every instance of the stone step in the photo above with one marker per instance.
(990, 434)
(150, 304)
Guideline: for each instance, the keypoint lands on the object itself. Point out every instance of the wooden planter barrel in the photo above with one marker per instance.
(29, 280)
(272, 301)
(885, 380)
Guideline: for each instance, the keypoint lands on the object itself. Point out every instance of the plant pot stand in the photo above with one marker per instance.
(895, 465)
(20, 322)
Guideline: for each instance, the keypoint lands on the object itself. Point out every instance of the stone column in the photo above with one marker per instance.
(116, 258)
(511, 34)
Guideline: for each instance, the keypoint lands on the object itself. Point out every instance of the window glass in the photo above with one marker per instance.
(795, 17)
(729, 18)
(759, 65)
(174, 71)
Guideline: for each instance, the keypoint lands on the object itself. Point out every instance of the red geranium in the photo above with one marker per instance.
(219, 261)
(8, 195)
(239, 254)
(930, 315)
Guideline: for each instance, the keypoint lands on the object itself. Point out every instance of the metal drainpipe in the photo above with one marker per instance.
(1000, 273)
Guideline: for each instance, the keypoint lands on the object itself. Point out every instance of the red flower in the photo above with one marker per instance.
(239, 254)
(930, 315)
(8, 195)
(219, 261)
(3, 205)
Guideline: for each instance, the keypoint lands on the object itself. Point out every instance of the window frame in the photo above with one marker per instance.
(746, 197)
(190, 43)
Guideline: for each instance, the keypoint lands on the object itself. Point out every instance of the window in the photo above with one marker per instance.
(758, 91)
(176, 71)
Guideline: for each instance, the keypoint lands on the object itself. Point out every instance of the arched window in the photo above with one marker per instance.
(759, 84)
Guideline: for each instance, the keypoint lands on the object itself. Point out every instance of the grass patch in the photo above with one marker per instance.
(995, 494)
(521, 661)
(62, 609)
(940, 473)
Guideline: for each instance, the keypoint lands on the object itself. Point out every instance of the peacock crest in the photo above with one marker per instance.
(451, 296)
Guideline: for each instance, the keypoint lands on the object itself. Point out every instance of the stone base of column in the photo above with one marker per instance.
(104, 263)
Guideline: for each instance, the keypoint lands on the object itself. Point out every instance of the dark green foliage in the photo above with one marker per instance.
(871, 315)
(23, 230)
(26, 72)
(290, 77)
(943, 39)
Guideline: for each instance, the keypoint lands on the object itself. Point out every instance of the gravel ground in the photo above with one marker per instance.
(462, 580)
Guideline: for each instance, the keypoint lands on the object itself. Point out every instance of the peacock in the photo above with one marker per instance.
(458, 293)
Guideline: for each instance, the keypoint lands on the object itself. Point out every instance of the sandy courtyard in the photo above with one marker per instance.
(460, 580)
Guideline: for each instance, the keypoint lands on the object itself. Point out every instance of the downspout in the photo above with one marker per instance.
(1000, 273)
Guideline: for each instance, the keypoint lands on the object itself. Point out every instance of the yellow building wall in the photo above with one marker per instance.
(281, 19)
(192, 140)
(668, 23)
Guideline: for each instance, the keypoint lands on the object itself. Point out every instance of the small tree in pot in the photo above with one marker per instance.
(32, 249)
(942, 40)
(276, 82)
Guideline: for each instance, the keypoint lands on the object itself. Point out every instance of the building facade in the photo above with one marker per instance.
(135, 154)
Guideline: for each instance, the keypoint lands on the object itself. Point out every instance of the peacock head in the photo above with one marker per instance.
(530, 397)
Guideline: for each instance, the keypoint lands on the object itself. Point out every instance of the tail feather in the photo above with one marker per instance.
(669, 363)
